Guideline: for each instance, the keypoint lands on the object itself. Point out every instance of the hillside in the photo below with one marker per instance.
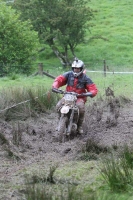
(112, 24)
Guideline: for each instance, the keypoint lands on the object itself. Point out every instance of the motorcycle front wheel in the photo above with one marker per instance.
(62, 128)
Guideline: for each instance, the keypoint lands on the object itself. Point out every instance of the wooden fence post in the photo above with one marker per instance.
(104, 68)
(41, 72)
(40, 69)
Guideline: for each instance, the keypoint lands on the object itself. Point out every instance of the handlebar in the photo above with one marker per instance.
(73, 93)
(63, 92)
(57, 91)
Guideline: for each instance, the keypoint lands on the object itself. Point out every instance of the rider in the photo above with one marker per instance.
(76, 81)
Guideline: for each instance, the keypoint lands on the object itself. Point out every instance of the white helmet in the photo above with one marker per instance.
(78, 64)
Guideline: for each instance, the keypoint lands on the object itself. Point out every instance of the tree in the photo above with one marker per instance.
(61, 24)
(18, 42)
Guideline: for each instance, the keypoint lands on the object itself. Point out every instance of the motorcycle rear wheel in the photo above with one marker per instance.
(62, 128)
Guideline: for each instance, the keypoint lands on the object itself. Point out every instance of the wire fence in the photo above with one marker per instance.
(107, 72)
(121, 82)
(23, 102)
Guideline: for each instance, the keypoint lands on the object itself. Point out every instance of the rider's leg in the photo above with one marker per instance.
(58, 106)
(81, 105)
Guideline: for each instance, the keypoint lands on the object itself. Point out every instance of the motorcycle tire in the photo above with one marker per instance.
(62, 128)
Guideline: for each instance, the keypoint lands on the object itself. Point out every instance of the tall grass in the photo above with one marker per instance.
(45, 191)
(117, 171)
(127, 155)
(21, 103)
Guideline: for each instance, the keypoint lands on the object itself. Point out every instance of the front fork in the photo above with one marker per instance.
(70, 121)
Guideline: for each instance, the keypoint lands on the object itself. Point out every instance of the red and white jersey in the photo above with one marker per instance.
(80, 84)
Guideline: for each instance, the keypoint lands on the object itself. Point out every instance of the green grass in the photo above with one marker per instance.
(32, 81)
(82, 181)
(119, 83)
(112, 24)
(117, 171)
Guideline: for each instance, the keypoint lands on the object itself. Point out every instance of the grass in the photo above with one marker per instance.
(117, 171)
(127, 155)
(113, 23)
(32, 81)
(119, 83)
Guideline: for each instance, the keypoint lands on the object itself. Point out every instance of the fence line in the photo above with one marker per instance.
(109, 72)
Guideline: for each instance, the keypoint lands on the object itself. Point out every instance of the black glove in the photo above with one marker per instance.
(57, 90)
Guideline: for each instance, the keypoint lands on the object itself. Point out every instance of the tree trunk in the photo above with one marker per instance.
(64, 59)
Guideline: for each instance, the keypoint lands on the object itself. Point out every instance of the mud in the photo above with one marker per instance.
(33, 141)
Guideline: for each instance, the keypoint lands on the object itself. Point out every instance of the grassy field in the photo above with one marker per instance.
(22, 81)
(112, 22)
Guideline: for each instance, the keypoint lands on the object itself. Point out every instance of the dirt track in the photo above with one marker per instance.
(32, 142)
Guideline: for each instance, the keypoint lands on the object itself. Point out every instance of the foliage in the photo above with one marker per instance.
(60, 24)
(18, 42)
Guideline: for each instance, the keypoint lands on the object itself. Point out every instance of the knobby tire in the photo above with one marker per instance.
(62, 128)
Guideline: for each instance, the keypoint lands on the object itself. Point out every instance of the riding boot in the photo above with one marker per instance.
(58, 106)
(80, 122)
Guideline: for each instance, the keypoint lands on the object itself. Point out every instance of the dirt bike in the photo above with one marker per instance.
(69, 114)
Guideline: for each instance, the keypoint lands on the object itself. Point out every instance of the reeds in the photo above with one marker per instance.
(21, 103)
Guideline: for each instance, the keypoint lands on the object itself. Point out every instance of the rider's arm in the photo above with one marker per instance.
(92, 88)
(59, 82)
